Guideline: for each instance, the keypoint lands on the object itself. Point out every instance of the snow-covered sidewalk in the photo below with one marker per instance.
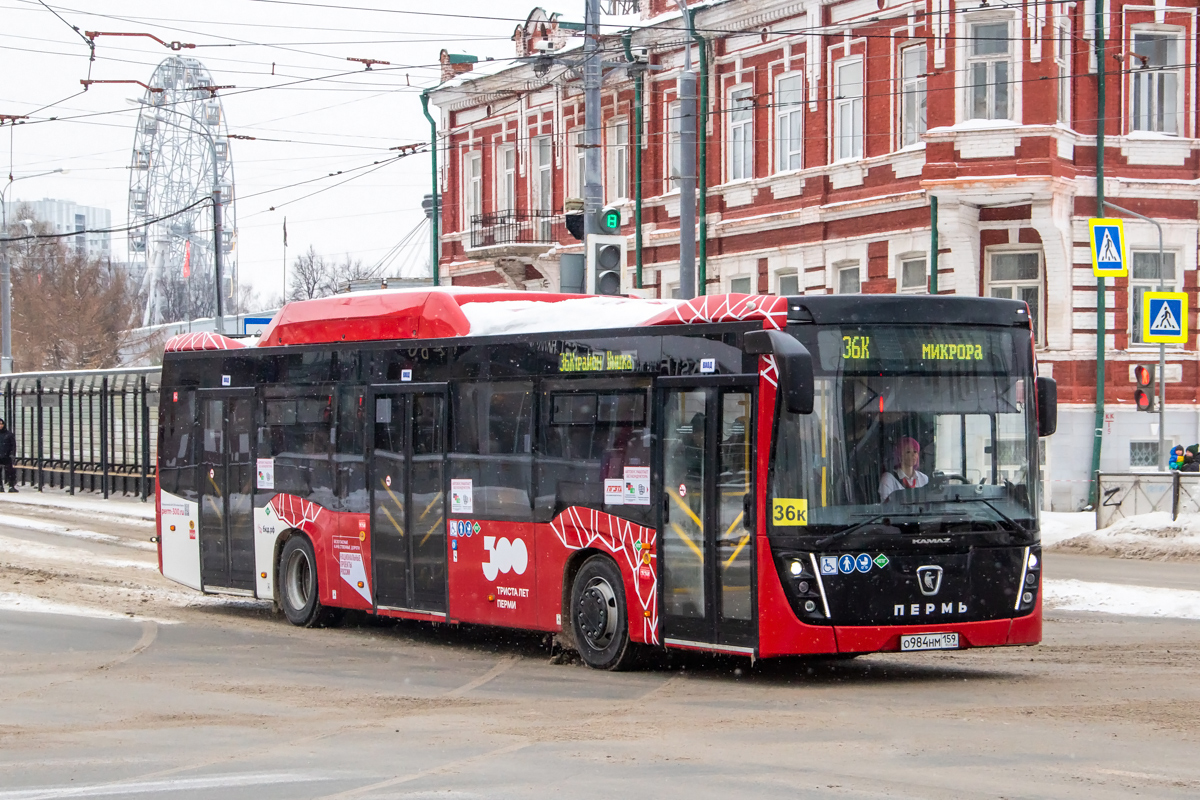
(1113, 598)
(118, 507)
(1147, 536)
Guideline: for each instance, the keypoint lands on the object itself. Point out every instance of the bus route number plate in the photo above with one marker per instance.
(929, 641)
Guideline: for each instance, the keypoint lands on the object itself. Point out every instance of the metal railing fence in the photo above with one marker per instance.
(90, 431)
(516, 227)
(1127, 494)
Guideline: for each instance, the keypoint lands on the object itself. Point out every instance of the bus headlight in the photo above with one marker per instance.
(796, 568)
(802, 586)
(1027, 586)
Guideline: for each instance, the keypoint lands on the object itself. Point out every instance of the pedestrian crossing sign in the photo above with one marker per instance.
(1164, 317)
(1108, 248)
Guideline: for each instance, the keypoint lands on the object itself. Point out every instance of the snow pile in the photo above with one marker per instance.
(9, 521)
(1112, 598)
(1058, 526)
(10, 601)
(126, 509)
(1146, 536)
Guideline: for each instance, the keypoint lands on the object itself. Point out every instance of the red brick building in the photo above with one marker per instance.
(830, 126)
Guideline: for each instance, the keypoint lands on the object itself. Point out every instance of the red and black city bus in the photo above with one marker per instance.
(745, 474)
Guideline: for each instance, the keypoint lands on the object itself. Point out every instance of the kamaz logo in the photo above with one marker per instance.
(929, 580)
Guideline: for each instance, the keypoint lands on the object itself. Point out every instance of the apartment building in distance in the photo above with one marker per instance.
(830, 127)
(64, 216)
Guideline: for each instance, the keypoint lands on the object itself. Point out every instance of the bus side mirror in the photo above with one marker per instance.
(1047, 406)
(794, 363)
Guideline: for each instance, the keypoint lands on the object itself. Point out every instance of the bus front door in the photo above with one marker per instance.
(408, 522)
(706, 545)
(226, 482)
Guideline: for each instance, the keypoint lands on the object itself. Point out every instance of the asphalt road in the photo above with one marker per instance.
(224, 700)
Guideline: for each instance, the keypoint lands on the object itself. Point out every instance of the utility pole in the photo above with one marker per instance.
(593, 188)
(1098, 437)
(687, 168)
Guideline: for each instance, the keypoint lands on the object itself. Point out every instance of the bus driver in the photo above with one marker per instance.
(905, 475)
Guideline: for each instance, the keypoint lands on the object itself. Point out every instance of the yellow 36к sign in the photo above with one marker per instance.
(789, 511)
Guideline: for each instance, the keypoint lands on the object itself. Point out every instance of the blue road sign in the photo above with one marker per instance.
(1164, 317)
(1107, 237)
(846, 563)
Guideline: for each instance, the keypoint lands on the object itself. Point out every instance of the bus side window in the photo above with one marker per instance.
(492, 427)
(592, 436)
(349, 451)
(297, 433)
(177, 460)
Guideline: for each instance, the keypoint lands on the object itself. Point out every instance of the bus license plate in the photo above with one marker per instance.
(929, 641)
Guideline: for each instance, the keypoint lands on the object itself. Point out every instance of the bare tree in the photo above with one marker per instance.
(351, 269)
(69, 311)
(311, 276)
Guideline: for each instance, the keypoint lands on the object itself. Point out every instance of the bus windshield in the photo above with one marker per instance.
(916, 430)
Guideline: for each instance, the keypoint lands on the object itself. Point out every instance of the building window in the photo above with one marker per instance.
(740, 286)
(988, 71)
(912, 90)
(1062, 63)
(848, 279)
(1018, 276)
(579, 163)
(506, 179)
(1143, 454)
(472, 186)
(543, 176)
(674, 111)
(848, 109)
(741, 135)
(1154, 97)
(789, 285)
(913, 275)
(1144, 276)
(618, 159)
(789, 123)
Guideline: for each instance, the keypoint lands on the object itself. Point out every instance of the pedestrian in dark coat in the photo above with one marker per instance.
(8, 449)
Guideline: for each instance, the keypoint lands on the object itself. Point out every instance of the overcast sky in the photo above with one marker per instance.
(335, 123)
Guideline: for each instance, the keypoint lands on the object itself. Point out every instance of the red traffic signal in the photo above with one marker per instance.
(1143, 396)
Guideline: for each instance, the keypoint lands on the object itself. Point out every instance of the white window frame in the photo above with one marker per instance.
(543, 173)
(996, 287)
(789, 149)
(848, 109)
(506, 179)
(472, 183)
(617, 156)
(913, 97)
(912, 258)
(993, 74)
(1136, 283)
(1154, 105)
(752, 288)
(674, 150)
(781, 276)
(739, 163)
(840, 267)
(1062, 63)
(578, 161)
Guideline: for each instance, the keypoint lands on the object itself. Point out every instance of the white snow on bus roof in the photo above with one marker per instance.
(585, 313)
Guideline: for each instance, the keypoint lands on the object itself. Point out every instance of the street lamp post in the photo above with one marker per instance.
(6, 274)
(216, 201)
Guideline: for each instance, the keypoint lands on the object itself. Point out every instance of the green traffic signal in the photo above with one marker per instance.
(610, 220)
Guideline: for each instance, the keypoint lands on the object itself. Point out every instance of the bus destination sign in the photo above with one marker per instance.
(602, 361)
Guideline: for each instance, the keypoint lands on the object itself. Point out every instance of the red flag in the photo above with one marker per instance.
(187, 260)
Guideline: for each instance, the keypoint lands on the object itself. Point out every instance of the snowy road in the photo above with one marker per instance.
(115, 683)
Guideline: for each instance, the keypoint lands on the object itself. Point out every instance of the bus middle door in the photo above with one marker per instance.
(706, 544)
(407, 480)
(226, 484)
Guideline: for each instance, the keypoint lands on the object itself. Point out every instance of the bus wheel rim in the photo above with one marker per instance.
(299, 580)
(597, 613)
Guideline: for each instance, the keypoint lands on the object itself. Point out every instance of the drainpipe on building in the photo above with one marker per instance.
(702, 171)
(639, 78)
(435, 211)
(933, 246)
(1098, 437)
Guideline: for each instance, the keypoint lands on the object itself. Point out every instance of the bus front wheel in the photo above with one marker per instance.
(298, 583)
(598, 615)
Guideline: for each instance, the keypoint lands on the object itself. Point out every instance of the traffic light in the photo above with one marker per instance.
(609, 221)
(605, 260)
(1143, 396)
(574, 223)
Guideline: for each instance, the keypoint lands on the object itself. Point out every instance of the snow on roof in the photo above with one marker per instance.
(568, 314)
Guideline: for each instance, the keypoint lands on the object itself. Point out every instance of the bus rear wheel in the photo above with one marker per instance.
(599, 619)
(298, 590)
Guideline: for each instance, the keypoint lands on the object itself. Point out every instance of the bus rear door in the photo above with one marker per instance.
(226, 483)
(407, 480)
(706, 548)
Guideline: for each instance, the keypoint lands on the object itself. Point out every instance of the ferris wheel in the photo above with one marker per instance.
(180, 136)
